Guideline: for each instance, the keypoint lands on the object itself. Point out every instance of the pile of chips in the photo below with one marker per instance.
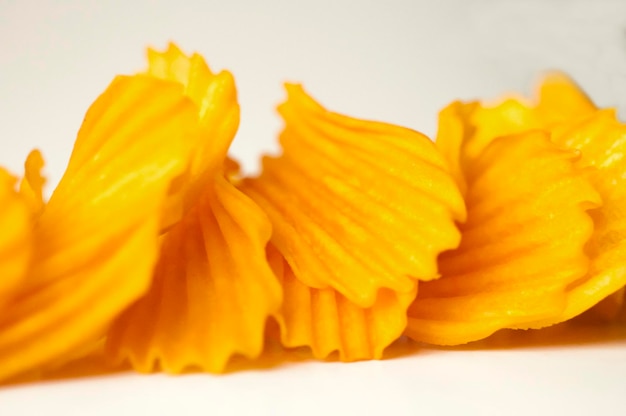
(154, 253)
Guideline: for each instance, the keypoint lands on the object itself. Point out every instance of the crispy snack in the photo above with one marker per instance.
(360, 212)
(16, 243)
(153, 253)
(521, 248)
(213, 289)
(326, 321)
(95, 242)
(469, 132)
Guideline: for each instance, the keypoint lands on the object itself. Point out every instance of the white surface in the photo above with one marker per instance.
(557, 381)
(390, 60)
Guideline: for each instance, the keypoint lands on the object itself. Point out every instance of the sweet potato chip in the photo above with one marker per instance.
(15, 239)
(521, 248)
(601, 139)
(326, 321)
(212, 293)
(96, 241)
(356, 206)
(213, 290)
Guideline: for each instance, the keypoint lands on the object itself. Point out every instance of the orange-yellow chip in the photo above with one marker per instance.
(601, 139)
(356, 206)
(466, 129)
(15, 238)
(560, 100)
(32, 184)
(212, 293)
(213, 289)
(565, 111)
(326, 321)
(96, 241)
(215, 97)
(522, 246)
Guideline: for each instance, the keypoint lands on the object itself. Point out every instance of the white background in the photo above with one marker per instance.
(395, 61)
